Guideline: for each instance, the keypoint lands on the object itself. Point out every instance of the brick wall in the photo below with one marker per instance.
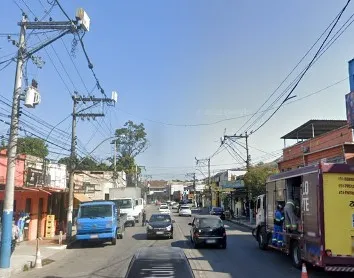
(332, 138)
(328, 146)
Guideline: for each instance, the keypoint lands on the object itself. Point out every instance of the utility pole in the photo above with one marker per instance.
(194, 184)
(233, 139)
(76, 99)
(7, 215)
(248, 164)
(205, 162)
(22, 55)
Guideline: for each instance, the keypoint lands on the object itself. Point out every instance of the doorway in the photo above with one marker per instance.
(40, 216)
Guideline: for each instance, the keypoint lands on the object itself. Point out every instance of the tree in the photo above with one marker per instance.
(32, 146)
(131, 139)
(85, 164)
(256, 177)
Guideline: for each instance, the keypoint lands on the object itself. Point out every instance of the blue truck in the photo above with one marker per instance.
(99, 221)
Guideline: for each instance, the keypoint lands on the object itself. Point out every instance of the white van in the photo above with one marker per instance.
(139, 206)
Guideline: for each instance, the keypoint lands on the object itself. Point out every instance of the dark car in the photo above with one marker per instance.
(217, 211)
(159, 225)
(208, 230)
(159, 262)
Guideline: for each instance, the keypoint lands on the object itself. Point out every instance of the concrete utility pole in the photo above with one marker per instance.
(248, 164)
(22, 55)
(205, 162)
(235, 137)
(194, 185)
(7, 215)
(76, 100)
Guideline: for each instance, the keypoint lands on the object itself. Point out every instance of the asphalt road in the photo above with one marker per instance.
(241, 259)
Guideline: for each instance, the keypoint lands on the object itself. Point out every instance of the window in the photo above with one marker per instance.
(95, 211)
(160, 218)
(210, 222)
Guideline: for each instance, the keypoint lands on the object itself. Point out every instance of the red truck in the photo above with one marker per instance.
(325, 235)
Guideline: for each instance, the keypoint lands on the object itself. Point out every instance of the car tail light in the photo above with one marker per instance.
(329, 253)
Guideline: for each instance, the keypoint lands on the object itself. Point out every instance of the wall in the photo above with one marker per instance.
(20, 166)
(34, 195)
(56, 176)
(328, 146)
(332, 138)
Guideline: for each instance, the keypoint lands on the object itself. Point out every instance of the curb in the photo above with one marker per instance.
(250, 227)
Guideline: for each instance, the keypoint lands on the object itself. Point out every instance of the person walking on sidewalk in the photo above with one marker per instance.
(277, 239)
(15, 235)
(144, 217)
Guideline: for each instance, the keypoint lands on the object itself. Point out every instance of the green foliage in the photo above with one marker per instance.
(131, 139)
(86, 164)
(32, 146)
(256, 177)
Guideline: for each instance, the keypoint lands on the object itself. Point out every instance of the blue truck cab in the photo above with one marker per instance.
(98, 221)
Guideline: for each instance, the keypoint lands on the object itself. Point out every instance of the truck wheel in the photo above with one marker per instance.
(296, 254)
(262, 238)
(114, 241)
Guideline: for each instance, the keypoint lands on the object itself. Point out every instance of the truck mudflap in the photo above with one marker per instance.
(339, 268)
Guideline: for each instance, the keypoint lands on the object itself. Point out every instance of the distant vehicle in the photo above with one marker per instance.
(175, 206)
(159, 262)
(163, 204)
(185, 211)
(218, 211)
(127, 206)
(164, 209)
(98, 221)
(159, 225)
(208, 230)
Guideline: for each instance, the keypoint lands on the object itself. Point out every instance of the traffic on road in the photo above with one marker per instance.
(202, 245)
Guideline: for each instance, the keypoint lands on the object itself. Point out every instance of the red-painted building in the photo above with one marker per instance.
(34, 195)
(326, 140)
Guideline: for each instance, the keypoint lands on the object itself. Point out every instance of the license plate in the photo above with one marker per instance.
(93, 236)
(159, 233)
(210, 241)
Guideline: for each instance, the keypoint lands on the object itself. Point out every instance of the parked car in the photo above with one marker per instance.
(175, 206)
(185, 211)
(159, 225)
(159, 262)
(218, 211)
(164, 209)
(208, 230)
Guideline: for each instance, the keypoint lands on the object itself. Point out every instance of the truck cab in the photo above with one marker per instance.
(97, 221)
(127, 206)
(260, 210)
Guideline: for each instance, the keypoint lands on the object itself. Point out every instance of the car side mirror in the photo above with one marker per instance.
(190, 224)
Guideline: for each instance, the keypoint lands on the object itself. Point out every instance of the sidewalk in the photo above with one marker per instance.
(24, 256)
(244, 221)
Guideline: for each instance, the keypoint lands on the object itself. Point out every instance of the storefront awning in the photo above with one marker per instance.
(81, 197)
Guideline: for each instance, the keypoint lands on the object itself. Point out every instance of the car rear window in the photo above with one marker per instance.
(210, 222)
(160, 268)
(185, 207)
(164, 207)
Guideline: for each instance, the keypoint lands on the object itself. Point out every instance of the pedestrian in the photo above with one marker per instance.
(15, 235)
(144, 217)
(290, 216)
(277, 239)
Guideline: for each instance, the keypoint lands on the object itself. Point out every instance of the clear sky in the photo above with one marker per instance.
(181, 63)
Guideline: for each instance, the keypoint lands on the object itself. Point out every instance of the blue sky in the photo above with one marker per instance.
(180, 63)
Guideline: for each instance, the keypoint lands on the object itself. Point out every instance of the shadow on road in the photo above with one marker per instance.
(139, 236)
(83, 245)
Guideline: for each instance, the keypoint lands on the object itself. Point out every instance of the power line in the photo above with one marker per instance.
(306, 69)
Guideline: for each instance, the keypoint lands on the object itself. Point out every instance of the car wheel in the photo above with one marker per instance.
(223, 245)
(262, 238)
